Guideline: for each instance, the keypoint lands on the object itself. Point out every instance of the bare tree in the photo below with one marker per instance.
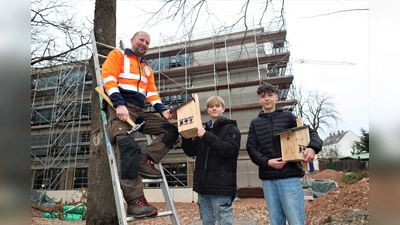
(330, 154)
(57, 35)
(101, 202)
(189, 13)
(317, 109)
(341, 11)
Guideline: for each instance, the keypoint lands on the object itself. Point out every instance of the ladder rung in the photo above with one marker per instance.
(107, 46)
(160, 214)
(102, 56)
(152, 180)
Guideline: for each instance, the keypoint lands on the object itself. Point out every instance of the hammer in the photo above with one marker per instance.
(135, 126)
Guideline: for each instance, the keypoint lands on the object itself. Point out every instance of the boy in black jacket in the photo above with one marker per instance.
(216, 149)
(281, 183)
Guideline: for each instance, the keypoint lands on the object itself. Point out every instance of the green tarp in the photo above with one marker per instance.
(321, 187)
(39, 197)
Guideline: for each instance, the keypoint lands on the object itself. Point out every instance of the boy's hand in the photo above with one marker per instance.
(309, 155)
(276, 163)
(200, 132)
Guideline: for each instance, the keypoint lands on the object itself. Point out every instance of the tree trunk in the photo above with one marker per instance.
(101, 208)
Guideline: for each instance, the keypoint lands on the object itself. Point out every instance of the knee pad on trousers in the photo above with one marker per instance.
(129, 155)
(172, 134)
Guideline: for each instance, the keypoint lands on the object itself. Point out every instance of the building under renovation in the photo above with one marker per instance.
(229, 64)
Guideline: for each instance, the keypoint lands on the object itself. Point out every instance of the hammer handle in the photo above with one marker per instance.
(133, 124)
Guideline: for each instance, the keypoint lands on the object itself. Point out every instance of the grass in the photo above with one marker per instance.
(353, 177)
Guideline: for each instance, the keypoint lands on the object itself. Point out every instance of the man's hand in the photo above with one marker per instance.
(122, 112)
(168, 115)
(309, 155)
(276, 163)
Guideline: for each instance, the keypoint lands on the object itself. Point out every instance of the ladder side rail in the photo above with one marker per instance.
(118, 195)
(168, 198)
(96, 61)
(119, 200)
(166, 192)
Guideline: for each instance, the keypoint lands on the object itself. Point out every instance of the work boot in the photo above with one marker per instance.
(146, 166)
(139, 207)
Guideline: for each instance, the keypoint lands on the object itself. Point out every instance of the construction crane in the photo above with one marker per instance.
(308, 61)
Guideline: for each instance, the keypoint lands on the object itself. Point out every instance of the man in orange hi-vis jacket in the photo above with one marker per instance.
(129, 82)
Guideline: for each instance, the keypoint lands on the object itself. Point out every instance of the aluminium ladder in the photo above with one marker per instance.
(119, 200)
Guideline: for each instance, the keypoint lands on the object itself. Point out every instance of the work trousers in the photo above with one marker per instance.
(165, 135)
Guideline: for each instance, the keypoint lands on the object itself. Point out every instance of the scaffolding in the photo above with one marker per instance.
(60, 124)
(228, 63)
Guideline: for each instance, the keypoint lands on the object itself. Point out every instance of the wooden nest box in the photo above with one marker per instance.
(189, 118)
(294, 141)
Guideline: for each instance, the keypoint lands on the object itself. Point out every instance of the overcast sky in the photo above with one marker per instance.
(313, 34)
(341, 37)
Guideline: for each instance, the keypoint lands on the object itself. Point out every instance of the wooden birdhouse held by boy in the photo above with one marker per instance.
(294, 141)
(189, 118)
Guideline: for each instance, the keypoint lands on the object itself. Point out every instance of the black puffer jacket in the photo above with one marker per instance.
(216, 158)
(262, 145)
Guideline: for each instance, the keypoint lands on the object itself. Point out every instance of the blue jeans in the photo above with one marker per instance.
(215, 208)
(285, 201)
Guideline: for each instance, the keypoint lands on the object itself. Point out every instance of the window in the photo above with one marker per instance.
(37, 179)
(46, 179)
(176, 174)
(81, 178)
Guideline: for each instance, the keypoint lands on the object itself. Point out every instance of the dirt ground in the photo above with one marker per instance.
(346, 204)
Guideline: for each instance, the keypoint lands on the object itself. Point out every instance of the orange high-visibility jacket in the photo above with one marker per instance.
(128, 78)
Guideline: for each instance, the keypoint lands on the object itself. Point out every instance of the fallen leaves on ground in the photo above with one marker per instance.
(346, 204)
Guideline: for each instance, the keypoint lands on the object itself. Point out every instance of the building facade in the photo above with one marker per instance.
(230, 65)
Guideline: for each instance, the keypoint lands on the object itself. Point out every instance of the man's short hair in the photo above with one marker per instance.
(267, 88)
(137, 33)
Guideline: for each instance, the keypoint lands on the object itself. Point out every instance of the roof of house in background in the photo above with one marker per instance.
(334, 138)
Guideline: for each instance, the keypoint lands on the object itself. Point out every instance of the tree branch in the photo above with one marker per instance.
(342, 11)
